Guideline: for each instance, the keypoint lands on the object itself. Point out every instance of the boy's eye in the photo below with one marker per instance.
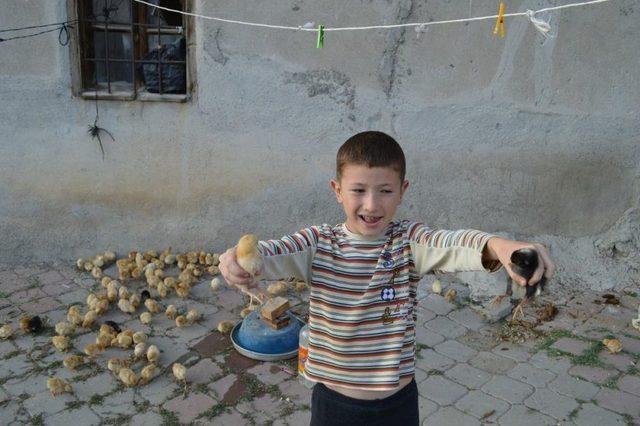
(358, 190)
(387, 191)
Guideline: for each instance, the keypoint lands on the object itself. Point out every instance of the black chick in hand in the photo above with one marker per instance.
(524, 262)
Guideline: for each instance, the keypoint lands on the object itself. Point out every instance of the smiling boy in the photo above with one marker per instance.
(363, 276)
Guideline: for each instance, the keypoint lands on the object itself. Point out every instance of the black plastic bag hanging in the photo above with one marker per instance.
(174, 76)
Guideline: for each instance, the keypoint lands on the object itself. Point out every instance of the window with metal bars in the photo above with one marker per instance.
(131, 49)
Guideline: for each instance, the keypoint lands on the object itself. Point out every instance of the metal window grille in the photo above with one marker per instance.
(131, 47)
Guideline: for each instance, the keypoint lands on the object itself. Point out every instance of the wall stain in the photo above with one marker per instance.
(337, 86)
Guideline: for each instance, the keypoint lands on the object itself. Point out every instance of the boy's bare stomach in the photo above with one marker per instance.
(365, 394)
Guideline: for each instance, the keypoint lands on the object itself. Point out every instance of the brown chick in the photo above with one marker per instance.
(171, 312)
(92, 350)
(74, 316)
(116, 364)
(73, 361)
(163, 290)
(182, 321)
(148, 373)
(128, 377)
(89, 319)
(61, 343)
(247, 254)
(193, 315)
(225, 326)
(123, 341)
(179, 372)
(57, 386)
(152, 306)
(65, 329)
(102, 306)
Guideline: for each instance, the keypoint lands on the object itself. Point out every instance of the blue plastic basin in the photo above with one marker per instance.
(256, 336)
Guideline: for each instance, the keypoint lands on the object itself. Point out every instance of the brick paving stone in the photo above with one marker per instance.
(185, 334)
(27, 295)
(574, 387)
(212, 344)
(203, 371)
(428, 337)
(43, 403)
(238, 362)
(529, 374)
(482, 340)
(295, 391)
(221, 386)
(7, 347)
(630, 344)
(228, 299)
(424, 314)
(520, 415)
(267, 405)
(592, 374)
(82, 416)
(40, 306)
(57, 288)
(10, 313)
(512, 351)
(556, 364)
(455, 350)
(420, 375)
(148, 418)
(468, 376)
(506, 388)
(189, 408)
(15, 366)
(159, 390)
(298, 417)
(492, 363)
(431, 360)
(551, 403)
(227, 418)
(441, 390)
(269, 373)
(12, 285)
(437, 304)
(97, 385)
(73, 297)
(170, 350)
(479, 404)
(618, 401)
(4, 396)
(446, 327)
(50, 277)
(121, 402)
(592, 415)
(630, 384)
(448, 416)
(573, 346)
(426, 407)
(467, 318)
(619, 361)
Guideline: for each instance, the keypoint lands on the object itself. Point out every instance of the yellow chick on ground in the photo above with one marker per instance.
(89, 318)
(140, 350)
(6, 331)
(181, 321)
(102, 306)
(65, 329)
(128, 377)
(613, 345)
(115, 365)
(450, 295)
(146, 317)
(193, 315)
(134, 299)
(436, 287)
(123, 341)
(216, 284)
(225, 326)
(74, 316)
(139, 337)
(152, 306)
(73, 361)
(247, 254)
(61, 343)
(153, 354)
(277, 289)
(92, 350)
(57, 386)
(171, 312)
(180, 373)
(148, 373)
(126, 306)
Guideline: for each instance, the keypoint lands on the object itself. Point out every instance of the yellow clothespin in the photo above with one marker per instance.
(499, 28)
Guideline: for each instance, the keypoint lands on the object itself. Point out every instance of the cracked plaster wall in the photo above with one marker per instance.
(534, 139)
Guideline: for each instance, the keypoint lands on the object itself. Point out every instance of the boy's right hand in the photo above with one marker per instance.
(232, 272)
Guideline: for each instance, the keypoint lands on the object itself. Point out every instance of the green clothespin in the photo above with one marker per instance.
(320, 41)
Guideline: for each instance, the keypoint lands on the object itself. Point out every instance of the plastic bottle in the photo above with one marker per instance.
(303, 354)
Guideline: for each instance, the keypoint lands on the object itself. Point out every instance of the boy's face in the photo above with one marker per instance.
(369, 196)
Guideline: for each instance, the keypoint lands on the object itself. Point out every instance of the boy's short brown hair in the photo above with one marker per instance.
(373, 149)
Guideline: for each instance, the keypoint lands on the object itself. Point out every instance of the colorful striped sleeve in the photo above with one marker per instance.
(290, 256)
(447, 251)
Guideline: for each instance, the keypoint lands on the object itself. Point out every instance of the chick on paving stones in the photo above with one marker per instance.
(104, 282)
(140, 350)
(65, 329)
(193, 315)
(92, 350)
(6, 331)
(277, 289)
(153, 354)
(80, 264)
(115, 364)
(96, 272)
(153, 306)
(163, 290)
(247, 254)
(31, 324)
(450, 295)
(179, 372)
(74, 316)
(245, 312)
(148, 373)
(436, 287)
(109, 256)
(139, 337)
(89, 318)
(134, 299)
(126, 306)
(181, 321)
(146, 318)
(171, 312)
(57, 386)
(613, 345)
(301, 286)
(123, 341)
(169, 282)
(123, 293)
(225, 326)
(73, 361)
(61, 343)
(104, 340)
(128, 377)
(216, 284)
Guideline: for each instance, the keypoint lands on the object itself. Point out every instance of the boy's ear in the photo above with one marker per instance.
(404, 187)
(335, 187)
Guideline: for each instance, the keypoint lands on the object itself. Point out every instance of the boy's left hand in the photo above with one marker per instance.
(501, 249)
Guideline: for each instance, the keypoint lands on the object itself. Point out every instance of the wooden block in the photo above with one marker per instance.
(278, 323)
(274, 308)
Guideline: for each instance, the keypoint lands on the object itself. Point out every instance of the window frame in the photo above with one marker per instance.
(77, 63)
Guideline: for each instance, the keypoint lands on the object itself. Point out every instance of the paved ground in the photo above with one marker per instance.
(465, 373)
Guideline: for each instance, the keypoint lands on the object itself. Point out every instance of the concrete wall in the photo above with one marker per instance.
(537, 139)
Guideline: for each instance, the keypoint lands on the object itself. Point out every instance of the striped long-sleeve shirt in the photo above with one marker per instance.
(363, 294)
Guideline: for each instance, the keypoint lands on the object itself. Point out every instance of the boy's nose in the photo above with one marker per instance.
(370, 203)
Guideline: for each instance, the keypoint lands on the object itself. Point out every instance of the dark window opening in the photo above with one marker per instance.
(131, 47)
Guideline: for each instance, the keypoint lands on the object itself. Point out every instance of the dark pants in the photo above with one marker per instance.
(329, 407)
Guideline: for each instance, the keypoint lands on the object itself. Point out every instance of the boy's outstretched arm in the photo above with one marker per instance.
(501, 249)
